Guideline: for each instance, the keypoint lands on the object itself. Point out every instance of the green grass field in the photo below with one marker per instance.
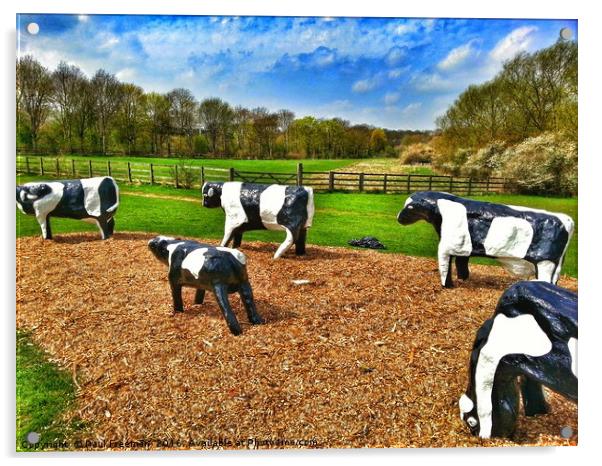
(339, 217)
(43, 393)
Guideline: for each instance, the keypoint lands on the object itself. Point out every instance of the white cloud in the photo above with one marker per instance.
(456, 57)
(431, 83)
(126, 74)
(83, 18)
(411, 109)
(518, 40)
(364, 85)
(395, 55)
(392, 97)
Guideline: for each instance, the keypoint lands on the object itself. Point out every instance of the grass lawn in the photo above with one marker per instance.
(43, 393)
(339, 217)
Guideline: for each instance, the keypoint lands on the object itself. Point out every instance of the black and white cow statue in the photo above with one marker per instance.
(250, 206)
(93, 200)
(526, 241)
(532, 337)
(206, 268)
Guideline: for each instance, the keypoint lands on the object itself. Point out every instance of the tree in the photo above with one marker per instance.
(34, 94)
(67, 80)
(108, 93)
(131, 114)
(216, 118)
(182, 106)
(83, 109)
(265, 130)
(285, 119)
(378, 140)
(156, 108)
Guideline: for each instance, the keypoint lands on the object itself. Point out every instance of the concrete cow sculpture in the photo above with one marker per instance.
(89, 199)
(526, 241)
(251, 206)
(204, 267)
(532, 336)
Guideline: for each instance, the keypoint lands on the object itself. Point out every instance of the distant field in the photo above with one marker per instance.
(389, 166)
(339, 217)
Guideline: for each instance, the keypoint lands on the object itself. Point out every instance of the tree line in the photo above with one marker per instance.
(64, 111)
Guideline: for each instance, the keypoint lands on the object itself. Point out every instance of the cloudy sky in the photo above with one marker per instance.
(395, 73)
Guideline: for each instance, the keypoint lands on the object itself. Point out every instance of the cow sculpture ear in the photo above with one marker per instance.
(38, 191)
(211, 192)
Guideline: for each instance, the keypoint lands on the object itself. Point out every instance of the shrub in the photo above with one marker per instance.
(545, 164)
(417, 153)
(186, 175)
(483, 163)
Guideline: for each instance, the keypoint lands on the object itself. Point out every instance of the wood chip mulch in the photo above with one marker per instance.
(372, 352)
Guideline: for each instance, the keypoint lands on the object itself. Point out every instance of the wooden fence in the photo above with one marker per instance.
(193, 176)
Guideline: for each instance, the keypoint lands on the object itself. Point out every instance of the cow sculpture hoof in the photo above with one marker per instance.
(250, 206)
(532, 336)
(207, 268)
(88, 199)
(526, 241)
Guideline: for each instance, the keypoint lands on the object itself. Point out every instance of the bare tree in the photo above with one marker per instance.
(83, 111)
(157, 113)
(182, 110)
(107, 92)
(34, 94)
(66, 85)
(216, 117)
(285, 119)
(131, 114)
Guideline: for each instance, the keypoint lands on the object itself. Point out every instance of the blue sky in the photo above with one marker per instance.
(391, 72)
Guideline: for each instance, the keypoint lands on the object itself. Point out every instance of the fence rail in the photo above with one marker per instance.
(182, 176)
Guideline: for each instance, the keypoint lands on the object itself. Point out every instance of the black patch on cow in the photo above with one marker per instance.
(249, 198)
(369, 242)
(293, 213)
(71, 204)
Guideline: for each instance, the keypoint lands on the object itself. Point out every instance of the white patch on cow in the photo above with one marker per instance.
(508, 237)
(271, 201)
(310, 207)
(171, 248)
(465, 405)
(572, 344)
(235, 213)
(509, 335)
(239, 256)
(455, 237)
(194, 261)
(408, 201)
(518, 267)
(91, 195)
(46, 204)
(545, 271)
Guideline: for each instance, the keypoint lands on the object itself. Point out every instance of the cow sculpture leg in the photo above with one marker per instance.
(534, 399)
(221, 295)
(462, 267)
(288, 242)
(505, 402)
(545, 271)
(44, 221)
(237, 239)
(176, 295)
(300, 242)
(199, 296)
(445, 268)
(106, 226)
(246, 295)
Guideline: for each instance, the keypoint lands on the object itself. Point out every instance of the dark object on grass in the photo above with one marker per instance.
(526, 241)
(204, 267)
(250, 206)
(531, 337)
(369, 242)
(88, 199)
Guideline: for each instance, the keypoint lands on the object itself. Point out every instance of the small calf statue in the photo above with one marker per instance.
(258, 207)
(526, 241)
(205, 267)
(89, 199)
(532, 336)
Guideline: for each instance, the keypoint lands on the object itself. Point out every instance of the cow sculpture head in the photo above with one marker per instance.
(420, 206)
(29, 193)
(212, 194)
(159, 247)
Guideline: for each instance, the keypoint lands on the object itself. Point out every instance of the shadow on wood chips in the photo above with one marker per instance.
(371, 353)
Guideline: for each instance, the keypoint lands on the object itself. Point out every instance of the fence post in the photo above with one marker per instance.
(231, 174)
(385, 184)
(487, 188)
(202, 176)
(73, 168)
(431, 183)
(58, 170)
(469, 185)
(361, 182)
(177, 184)
(152, 174)
(90, 168)
(299, 174)
(409, 184)
(41, 166)
(451, 184)
(129, 172)
(27, 164)
(108, 167)
(330, 181)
